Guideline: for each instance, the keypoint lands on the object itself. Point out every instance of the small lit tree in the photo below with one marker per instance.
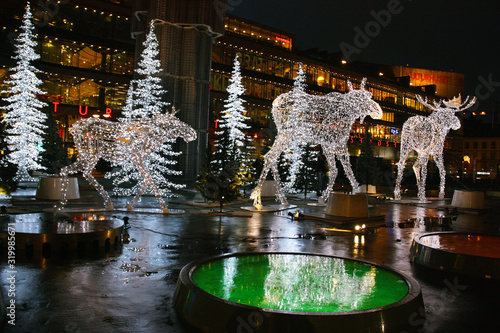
(306, 176)
(24, 120)
(247, 170)
(218, 180)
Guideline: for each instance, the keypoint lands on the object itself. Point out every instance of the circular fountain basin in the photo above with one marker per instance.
(474, 255)
(294, 292)
(86, 232)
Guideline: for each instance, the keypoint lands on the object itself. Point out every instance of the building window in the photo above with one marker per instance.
(474, 145)
(493, 145)
(483, 145)
(466, 145)
(483, 156)
(493, 156)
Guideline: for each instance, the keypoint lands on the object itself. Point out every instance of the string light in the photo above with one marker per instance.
(24, 120)
(133, 140)
(426, 135)
(325, 120)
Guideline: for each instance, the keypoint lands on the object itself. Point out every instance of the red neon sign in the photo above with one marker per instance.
(108, 111)
(86, 110)
(55, 106)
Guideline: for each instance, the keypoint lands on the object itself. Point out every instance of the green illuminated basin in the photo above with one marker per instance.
(291, 291)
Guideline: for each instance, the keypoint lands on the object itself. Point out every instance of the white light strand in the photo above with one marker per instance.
(24, 120)
(426, 135)
(133, 140)
(319, 120)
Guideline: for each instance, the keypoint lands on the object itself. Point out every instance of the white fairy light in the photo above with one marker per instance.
(133, 140)
(24, 120)
(320, 120)
(426, 135)
(233, 118)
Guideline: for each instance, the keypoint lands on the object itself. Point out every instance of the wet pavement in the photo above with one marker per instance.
(130, 289)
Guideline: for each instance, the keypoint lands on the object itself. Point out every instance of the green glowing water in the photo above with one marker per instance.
(304, 283)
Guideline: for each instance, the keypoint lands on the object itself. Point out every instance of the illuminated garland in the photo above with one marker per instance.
(133, 141)
(24, 120)
(319, 120)
(426, 135)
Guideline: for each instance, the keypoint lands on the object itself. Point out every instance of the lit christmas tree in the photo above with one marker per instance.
(233, 118)
(24, 120)
(306, 175)
(218, 180)
(144, 100)
(291, 161)
(147, 93)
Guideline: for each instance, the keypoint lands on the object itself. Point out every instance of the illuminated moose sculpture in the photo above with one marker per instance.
(325, 120)
(426, 135)
(130, 140)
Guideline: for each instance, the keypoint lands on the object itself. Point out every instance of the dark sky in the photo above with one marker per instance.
(451, 35)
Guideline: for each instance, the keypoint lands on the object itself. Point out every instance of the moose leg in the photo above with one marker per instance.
(87, 173)
(330, 158)
(65, 171)
(131, 204)
(270, 156)
(401, 167)
(280, 196)
(438, 158)
(344, 159)
(148, 182)
(420, 169)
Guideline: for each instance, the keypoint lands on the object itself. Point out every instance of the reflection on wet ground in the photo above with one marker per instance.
(130, 288)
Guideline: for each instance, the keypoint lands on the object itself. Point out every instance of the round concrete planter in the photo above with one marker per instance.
(49, 188)
(468, 199)
(348, 205)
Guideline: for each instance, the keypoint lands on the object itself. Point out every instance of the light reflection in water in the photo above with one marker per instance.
(300, 282)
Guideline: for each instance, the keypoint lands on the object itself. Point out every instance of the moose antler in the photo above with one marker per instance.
(174, 111)
(469, 104)
(426, 103)
(363, 82)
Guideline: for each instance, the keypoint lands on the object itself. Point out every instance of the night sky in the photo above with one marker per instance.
(450, 35)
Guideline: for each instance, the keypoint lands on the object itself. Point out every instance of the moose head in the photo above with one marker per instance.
(363, 102)
(445, 111)
(173, 127)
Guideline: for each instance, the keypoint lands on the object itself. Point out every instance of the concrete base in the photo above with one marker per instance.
(468, 199)
(50, 188)
(371, 189)
(349, 205)
(268, 189)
